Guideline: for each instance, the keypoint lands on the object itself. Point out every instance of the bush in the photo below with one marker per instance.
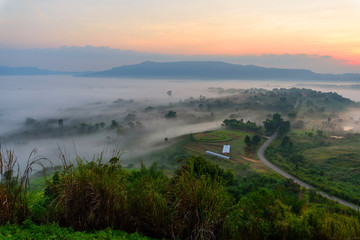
(200, 205)
(91, 195)
(200, 201)
(14, 187)
(147, 203)
(53, 231)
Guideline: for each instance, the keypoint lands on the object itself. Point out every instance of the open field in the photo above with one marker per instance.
(331, 164)
(214, 141)
(242, 163)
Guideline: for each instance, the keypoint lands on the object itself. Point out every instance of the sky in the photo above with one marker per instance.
(320, 28)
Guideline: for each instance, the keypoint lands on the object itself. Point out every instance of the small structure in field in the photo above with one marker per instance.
(226, 149)
(217, 155)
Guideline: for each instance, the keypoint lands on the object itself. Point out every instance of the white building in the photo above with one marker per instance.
(226, 149)
(217, 155)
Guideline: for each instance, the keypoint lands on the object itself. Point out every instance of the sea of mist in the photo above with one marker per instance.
(95, 99)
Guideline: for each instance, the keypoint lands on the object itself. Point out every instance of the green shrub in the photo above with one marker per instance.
(147, 203)
(52, 231)
(14, 187)
(90, 195)
(201, 205)
(199, 201)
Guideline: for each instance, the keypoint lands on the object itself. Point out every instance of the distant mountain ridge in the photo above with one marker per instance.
(27, 71)
(214, 70)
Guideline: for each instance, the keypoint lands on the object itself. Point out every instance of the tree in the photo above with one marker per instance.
(61, 122)
(241, 125)
(114, 124)
(130, 117)
(277, 118)
(30, 121)
(171, 114)
(284, 128)
(247, 140)
(276, 123)
(255, 139)
(271, 125)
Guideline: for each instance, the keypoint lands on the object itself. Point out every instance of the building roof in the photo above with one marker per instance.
(226, 149)
(217, 155)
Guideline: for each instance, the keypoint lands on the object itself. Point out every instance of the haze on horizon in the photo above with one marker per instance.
(319, 35)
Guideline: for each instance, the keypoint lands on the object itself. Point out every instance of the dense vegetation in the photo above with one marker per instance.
(29, 230)
(241, 125)
(276, 123)
(198, 201)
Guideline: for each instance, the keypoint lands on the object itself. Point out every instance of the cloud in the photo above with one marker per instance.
(90, 58)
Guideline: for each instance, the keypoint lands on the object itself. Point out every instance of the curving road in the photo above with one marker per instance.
(301, 183)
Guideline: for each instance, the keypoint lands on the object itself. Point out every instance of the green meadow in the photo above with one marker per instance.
(330, 163)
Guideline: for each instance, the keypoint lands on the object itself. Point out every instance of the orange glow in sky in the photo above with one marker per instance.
(232, 27)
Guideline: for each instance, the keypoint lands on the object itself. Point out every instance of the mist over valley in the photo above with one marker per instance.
(87, 108)
(180, 119)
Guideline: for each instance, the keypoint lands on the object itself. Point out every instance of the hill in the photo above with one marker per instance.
(27, 71)
(215, 70)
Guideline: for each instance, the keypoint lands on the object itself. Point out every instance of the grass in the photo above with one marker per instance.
(29, 230)
(14, 186)
(240, 160)
(215, 136)
(166, 157)
(95, 195)
(198, 201)
(332, 165)
(338, 164)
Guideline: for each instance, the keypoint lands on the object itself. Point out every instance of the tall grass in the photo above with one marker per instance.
(95, 195)
(200, 207)
(192, 203)
(89, 195)
(14, 186)
(149, 207)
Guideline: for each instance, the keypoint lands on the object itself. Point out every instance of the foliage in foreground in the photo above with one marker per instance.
(14, 187)
(28, 230)
(199, 201)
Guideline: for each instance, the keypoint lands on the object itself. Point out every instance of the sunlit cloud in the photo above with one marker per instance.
(212, 27)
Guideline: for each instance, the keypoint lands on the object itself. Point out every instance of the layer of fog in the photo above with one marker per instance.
(92, 100)
(351, 120)
(43, 96)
